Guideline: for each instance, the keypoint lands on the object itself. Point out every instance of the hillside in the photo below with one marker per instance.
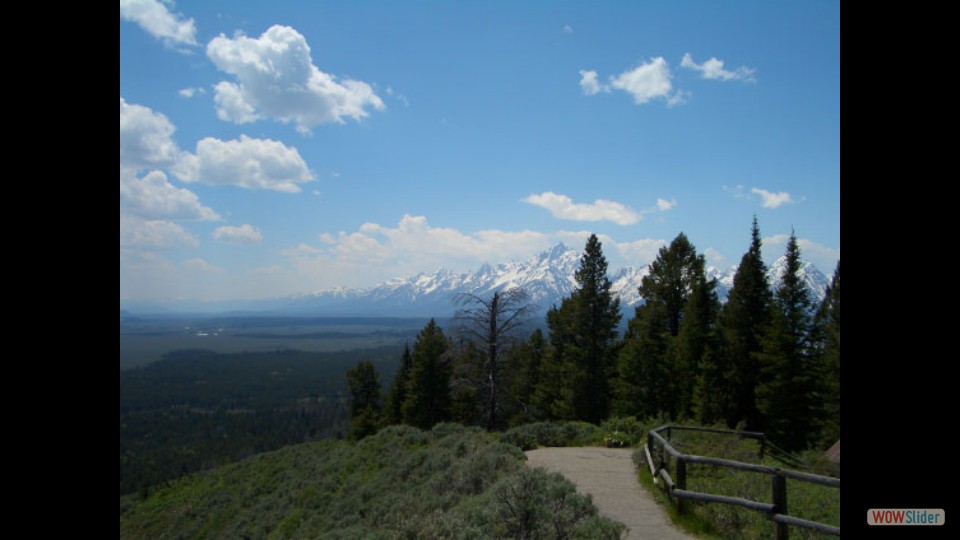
(450, 482)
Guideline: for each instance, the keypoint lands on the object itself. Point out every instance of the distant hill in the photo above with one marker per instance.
(450, 482)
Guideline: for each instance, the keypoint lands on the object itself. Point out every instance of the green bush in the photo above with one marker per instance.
(530, 436)
(449, 482)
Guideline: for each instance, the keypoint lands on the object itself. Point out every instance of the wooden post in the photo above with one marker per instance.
(681, 483)
(763, 445)
(780, 505)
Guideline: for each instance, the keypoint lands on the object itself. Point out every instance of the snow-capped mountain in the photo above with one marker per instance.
(547, 277)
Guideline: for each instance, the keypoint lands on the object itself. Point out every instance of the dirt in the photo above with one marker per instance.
(610, 477)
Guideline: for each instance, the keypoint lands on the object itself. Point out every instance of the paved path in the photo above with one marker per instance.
(609, 475)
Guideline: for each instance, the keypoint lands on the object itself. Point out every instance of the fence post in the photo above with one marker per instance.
(763, 445)
(681, 483)
(780, 504)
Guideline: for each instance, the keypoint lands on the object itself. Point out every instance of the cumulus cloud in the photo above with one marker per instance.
(191, 91)
(374, 252)
(244, 162)
(824, 257)
(153, 197)
(567, 29)
(276, 79)
(663, 204)
(202, 266)
(645, 82)
(713, 69)
(714, 257)
(589, 84)
(136, 232)
(563, 207)
(146, 138)
(770, 199)
(153, 16)
(640, 252)
(245, 234)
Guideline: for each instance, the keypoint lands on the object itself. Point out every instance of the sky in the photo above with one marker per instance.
(275, 148)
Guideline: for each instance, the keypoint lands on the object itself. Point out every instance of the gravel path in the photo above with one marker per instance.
(609, 475)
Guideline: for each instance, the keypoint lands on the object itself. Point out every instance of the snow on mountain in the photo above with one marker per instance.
(547, 277)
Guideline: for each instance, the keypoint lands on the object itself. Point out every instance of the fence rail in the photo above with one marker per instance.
(776, 512)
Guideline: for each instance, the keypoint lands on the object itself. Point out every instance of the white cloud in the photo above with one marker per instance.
(202, 266)
(276, 79)
(245, 234)
(244, 162)
(567, 29)
(374, 253)
(713, 69)
(191, 91)
(153, 197)
(738, 191)
(824, 257)
(145, 138)
(772, 200)
(154, 17)
(663, 204)
(563, 207)
(678, 98)
(640, 252)
(646, 81)
(137, 232)
(589, 84)
(714, 258)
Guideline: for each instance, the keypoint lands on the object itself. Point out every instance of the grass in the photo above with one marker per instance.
(715, 520)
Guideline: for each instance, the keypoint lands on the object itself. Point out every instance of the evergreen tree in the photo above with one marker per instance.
(741, 326)
(644, 386)
(398, 389)
(671, 279)
(662, 353)
(553, 394)
(596, 315)
(366, 402)
(427, 399)
(828, 343)
(575, 383)
(523, 377)
(690, 347)
(787, 395)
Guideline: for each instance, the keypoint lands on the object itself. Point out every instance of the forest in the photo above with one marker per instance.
(196, 409)
(766, 360)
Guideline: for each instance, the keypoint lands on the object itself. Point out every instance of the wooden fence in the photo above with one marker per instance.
(776, 512)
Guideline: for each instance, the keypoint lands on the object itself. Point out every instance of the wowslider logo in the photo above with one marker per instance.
(904, 516)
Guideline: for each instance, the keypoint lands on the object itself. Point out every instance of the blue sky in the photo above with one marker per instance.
(286, 147)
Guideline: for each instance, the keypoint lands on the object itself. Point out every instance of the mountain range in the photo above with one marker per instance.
(547, 277)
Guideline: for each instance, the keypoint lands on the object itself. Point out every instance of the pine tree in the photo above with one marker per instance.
(596, 315)
(644, 385)
(553, 394)
(690, 347)
(523, 377)
(741, 327)
(787, 395)
(398, 389)
(575, 383)
(428, 387)
(662, 352)
(828, 346)
(366, 402)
